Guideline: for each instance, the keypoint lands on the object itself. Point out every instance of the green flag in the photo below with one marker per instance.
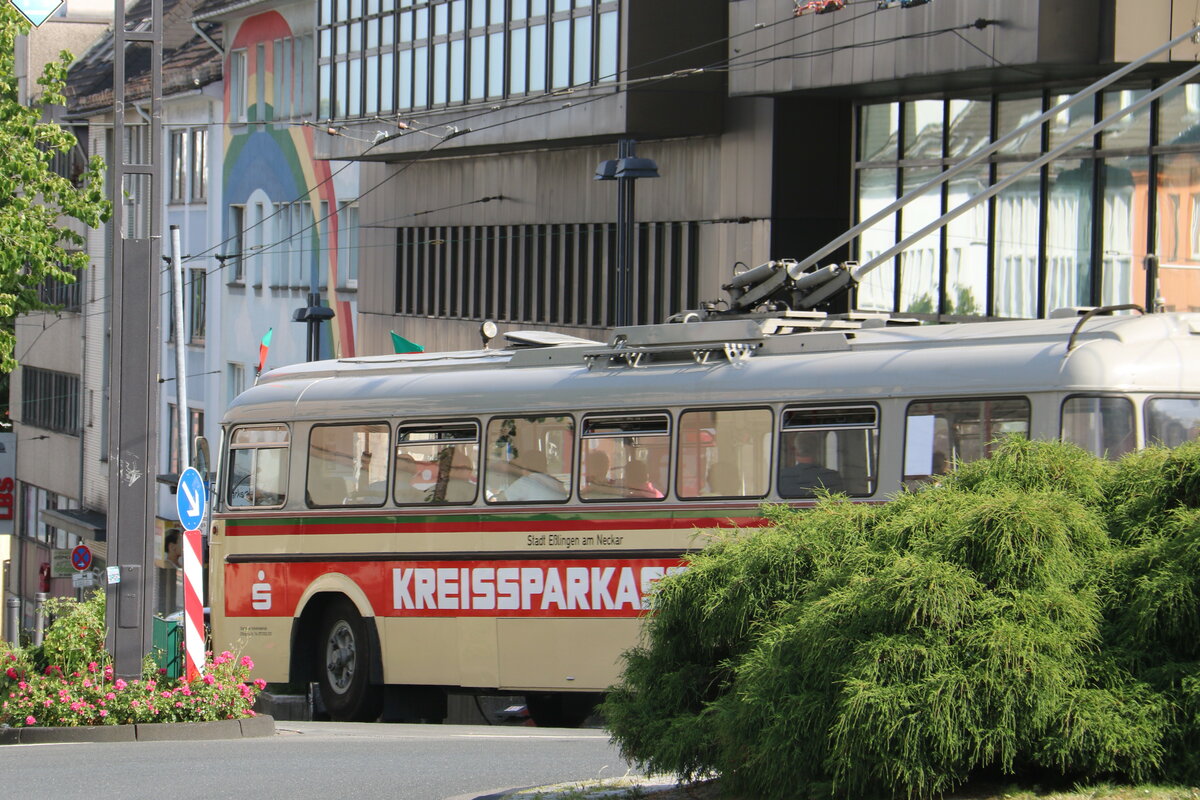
(402, 345)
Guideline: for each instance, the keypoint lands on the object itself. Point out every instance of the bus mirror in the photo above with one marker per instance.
(200, 448)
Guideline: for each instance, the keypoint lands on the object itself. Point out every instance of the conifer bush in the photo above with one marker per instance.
(997, 625)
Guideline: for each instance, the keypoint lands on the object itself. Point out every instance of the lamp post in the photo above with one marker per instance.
(625, 170)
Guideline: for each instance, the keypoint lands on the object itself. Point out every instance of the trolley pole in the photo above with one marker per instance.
(181, 396)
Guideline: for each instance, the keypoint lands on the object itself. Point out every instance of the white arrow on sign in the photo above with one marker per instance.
(193, 499)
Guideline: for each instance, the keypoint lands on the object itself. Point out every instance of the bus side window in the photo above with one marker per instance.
(1171, 421)
(529, 459)
(258, 463)
(828, 448)
(724, 453)
(437, 462)
(624, 457)
(347, 465)
(940, 433)
(1101, 425)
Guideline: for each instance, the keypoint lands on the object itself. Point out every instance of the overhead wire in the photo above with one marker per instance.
(594, 93)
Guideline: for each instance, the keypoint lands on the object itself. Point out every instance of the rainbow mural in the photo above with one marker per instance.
(277, 159)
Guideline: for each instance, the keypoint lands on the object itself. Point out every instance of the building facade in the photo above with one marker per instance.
(288, 221)
(480, 124)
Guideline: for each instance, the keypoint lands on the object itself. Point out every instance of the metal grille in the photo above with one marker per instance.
(558, 274)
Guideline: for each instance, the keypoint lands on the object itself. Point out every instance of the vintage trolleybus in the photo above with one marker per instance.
(493, 521)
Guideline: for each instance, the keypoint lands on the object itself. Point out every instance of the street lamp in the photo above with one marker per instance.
(625, 170)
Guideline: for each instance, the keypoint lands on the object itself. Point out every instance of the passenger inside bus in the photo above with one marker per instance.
(406, 473)
(534, 484)
(723, 480)
(637, 481)
(801, 472)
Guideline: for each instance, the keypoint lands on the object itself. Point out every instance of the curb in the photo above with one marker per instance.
(248, 728)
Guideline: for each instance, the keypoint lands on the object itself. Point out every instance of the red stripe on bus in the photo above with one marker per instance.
(604, 588)
(490, 526)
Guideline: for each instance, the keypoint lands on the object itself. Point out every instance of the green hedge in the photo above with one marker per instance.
(1035, 616)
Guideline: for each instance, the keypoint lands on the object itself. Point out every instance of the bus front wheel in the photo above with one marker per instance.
(344, 665)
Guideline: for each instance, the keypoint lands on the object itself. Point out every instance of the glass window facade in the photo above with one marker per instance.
(392, 56)
(1074, 233)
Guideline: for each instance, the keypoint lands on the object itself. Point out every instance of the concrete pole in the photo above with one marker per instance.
(39, 619)
(12, 627)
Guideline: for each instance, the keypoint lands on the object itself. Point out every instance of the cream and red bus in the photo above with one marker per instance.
(494, 521)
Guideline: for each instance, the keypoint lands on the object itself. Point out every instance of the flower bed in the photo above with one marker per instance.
(69, 680)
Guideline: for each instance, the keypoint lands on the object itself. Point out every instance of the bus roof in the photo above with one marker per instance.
(735, 361)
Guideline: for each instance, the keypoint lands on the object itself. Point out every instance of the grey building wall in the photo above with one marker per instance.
(723, 182)
(869, 52)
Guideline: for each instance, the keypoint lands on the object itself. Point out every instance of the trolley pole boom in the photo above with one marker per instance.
(861, 270)
(974, 159)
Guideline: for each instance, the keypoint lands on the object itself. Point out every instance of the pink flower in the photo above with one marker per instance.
(166, 695)
(103, 713)
(247, 663)
(12, 673)
(209, 679)
(93, 666)
(87, 684)
(260, 684)
(110, 696)
(30, 721)
(120, 684)
(22, 685)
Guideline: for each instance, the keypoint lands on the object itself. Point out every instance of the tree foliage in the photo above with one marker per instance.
(37, 240)
(1037, 615)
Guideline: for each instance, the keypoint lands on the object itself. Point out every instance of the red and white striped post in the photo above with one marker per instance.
(191, 500)
(193, 604)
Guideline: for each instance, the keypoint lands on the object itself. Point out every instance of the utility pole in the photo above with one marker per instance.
(133, 390)
(314, 313)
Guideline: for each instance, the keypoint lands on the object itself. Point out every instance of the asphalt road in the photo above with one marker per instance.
(315, 759)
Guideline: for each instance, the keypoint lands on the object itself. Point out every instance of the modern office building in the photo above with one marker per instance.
(481, 124)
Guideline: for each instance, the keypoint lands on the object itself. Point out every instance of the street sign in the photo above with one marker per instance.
(83, 580)
(81, 558)
(60, 564)
(37, 11)
(191, 499)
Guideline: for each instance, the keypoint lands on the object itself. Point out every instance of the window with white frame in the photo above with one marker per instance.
(179, 162)
(198, 299)
(235, 382)
(347, 254)
(237, 86)
(198, 164)
(236, 244)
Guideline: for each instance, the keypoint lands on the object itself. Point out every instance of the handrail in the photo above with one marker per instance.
(1099, 310)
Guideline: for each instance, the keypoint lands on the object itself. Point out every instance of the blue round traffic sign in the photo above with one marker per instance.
(191, 498)
(81, 557)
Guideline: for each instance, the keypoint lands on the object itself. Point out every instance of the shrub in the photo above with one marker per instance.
(69, 680)
(987, 626)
